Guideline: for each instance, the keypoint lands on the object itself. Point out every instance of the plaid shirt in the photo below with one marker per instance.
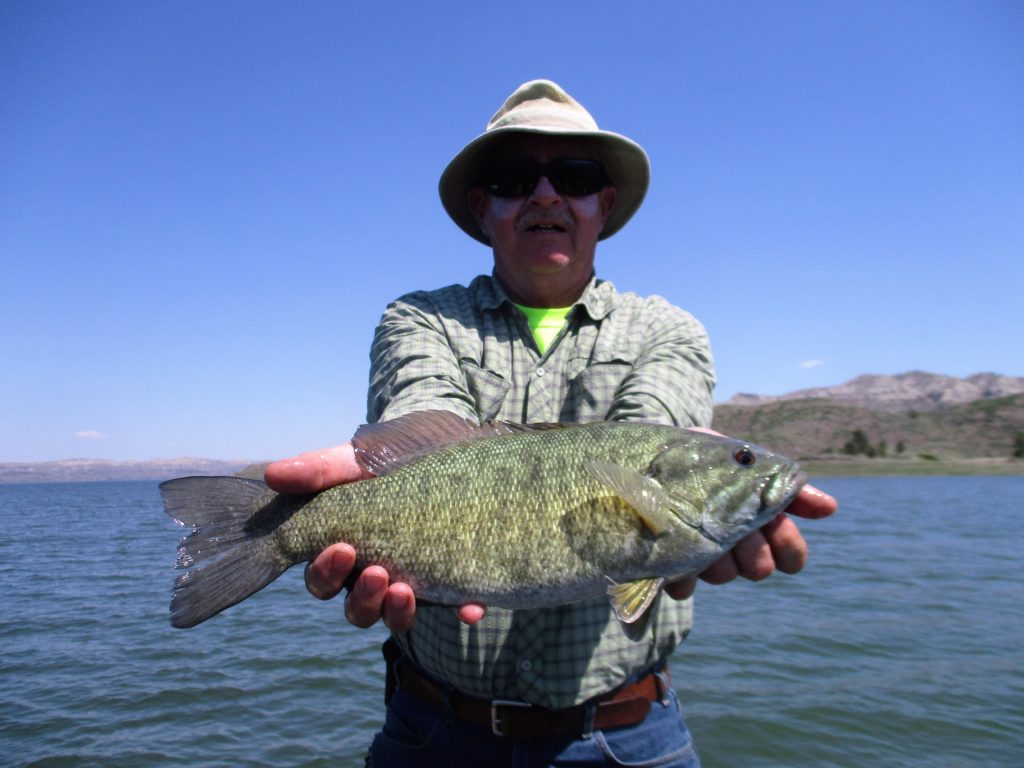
(618, 357)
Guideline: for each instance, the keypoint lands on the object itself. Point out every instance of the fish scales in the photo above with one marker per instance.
(532, 516)
(491, 516)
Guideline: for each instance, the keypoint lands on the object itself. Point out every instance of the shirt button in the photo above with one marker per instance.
(526, 665)
(540, 371)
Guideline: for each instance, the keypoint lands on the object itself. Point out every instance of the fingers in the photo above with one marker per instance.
(399, 607)
(327, 572)
(681, 588)
(373, 598)
(812, 504)
(751, 558)
(705, 430)
(471, 613)
(778, 545)
(314, 470)
(365, 603)
(722, 571)
(788, 548)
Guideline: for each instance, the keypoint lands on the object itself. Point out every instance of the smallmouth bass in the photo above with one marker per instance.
(509, 515)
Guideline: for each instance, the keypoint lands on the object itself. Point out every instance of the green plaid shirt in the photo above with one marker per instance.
(619, 356)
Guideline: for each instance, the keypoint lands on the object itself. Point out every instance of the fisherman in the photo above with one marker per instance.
(541, 339)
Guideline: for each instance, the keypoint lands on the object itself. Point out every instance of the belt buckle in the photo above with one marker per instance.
(496, 720)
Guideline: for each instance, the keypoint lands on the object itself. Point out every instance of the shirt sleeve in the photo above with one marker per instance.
(673, 376)
(412, 364)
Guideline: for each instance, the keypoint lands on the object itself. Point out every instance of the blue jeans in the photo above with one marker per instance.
(417, 735)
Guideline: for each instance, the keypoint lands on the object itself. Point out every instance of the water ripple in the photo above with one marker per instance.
(897, 646)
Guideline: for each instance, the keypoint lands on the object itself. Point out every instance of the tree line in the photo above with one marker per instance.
(860, 445)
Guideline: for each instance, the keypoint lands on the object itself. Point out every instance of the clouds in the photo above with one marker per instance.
(811, 363)
(90, 434)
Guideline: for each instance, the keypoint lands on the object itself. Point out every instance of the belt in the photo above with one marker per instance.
(628, 705)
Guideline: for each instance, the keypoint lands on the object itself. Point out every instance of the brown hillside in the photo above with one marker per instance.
(805, 429)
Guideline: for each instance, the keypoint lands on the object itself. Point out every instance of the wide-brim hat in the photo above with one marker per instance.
(542, 107)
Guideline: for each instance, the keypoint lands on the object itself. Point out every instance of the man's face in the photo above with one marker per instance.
(543, 241)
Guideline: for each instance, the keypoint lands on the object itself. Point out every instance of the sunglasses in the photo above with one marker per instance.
(572, 177)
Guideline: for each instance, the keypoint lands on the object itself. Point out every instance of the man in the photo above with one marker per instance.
(540, 340)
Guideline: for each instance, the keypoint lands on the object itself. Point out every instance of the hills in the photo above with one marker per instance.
(83, 470)
(916, 422)
(916, 390)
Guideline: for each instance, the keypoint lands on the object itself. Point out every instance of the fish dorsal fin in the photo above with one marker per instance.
(384, 447)
(641, 492)
(631, 599)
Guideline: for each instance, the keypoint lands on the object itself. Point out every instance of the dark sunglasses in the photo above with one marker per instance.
(569, 176)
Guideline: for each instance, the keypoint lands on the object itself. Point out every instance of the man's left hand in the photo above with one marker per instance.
(776, 546)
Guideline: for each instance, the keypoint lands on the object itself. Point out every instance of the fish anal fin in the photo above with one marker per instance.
(641, 492)
(632, 599)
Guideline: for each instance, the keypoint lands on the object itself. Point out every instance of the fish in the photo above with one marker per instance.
(498, 513)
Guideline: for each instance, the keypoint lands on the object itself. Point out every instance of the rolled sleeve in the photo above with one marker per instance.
(412, 364)
(673, 376)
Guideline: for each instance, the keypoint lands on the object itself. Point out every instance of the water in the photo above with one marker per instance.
(899, 645)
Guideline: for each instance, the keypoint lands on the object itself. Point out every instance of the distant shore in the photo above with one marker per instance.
(839, 466)
(865, 467)
(105, 470)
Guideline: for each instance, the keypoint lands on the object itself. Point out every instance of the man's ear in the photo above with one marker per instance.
(477, 200)
(607, 198)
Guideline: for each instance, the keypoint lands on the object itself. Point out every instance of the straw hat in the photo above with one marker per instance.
(542, 107)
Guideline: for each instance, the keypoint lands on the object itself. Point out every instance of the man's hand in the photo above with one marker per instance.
(776, 546)
(373, 596)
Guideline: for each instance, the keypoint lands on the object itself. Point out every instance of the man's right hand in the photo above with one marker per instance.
(373, 596)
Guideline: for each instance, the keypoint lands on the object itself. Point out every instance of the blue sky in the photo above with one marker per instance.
(204, 206)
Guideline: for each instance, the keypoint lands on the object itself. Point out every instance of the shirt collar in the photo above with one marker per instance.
(598, 297)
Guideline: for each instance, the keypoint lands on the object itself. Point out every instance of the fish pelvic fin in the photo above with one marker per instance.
(229, 555)
(632, 600)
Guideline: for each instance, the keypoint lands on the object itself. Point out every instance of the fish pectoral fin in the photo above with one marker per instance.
(631, 599)
(642, 493)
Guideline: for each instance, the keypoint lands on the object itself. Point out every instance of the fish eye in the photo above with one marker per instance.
(744, 456)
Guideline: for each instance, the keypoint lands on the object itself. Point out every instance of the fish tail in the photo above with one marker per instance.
(230, 553)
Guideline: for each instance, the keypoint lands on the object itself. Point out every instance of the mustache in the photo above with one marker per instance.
(557, 216)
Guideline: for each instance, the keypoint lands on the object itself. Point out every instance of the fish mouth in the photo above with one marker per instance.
(783, 487)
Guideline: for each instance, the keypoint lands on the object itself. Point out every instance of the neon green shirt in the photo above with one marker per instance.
(545, 323)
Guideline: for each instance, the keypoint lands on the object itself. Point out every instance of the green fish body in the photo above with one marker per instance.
(516, 516)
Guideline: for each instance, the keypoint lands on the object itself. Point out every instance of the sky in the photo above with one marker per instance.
(206, 206)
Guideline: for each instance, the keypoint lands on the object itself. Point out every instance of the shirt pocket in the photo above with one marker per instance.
(592, 390)
(487, 389)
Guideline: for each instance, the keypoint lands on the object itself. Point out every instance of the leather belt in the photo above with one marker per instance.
(627, 705)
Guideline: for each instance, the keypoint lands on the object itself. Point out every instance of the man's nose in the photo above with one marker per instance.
(544, 193)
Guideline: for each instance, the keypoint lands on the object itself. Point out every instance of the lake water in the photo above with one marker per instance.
(899, 645)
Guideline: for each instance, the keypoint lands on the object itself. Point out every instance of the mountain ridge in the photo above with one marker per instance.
(911, 415)
(901, 428)
(914, 390)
